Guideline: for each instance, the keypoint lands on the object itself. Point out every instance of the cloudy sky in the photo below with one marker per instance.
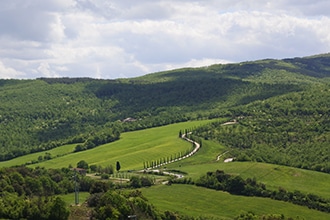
(127, 38)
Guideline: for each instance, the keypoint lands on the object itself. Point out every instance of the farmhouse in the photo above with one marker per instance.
(129, 120)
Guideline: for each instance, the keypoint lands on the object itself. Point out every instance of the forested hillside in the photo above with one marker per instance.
(292, 130)
(283, 104)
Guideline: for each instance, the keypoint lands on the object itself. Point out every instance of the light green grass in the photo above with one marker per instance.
(207, 154)
(274, 176)
(131, 150)
(69, 198)
(56, 152)
(196, 201)
(135, 147)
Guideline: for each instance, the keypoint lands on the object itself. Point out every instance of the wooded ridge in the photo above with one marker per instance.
(281, 103)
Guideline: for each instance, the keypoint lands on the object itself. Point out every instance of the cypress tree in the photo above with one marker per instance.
(117, 166)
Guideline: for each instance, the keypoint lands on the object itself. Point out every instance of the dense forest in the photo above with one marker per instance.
(291, 130)
(34, 194)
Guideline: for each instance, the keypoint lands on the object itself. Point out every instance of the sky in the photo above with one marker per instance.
(112, 39)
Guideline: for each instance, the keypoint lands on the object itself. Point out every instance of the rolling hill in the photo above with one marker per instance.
(279, 132)
(41, 114)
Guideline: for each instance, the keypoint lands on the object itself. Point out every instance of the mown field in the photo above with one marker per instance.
(274, 176)
(56, 152)
(131, 150)
(197, 201)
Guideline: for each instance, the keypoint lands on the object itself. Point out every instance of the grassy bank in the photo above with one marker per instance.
(131, 150)
(196, 201)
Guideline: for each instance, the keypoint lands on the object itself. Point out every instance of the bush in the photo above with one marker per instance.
(93, 167)
(82, 164)
(146, 181)
(137, 182)
(105, 176)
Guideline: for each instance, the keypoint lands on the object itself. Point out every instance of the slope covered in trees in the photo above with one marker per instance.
(40, 114)
(291, 129)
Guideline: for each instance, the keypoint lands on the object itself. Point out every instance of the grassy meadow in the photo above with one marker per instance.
(274, 176)
(55, 152)
(196, 201)
(131, 150)
(69, 198)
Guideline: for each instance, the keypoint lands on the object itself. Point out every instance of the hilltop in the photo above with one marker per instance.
(44, 113)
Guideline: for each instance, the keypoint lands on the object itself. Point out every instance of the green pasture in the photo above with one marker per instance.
(56, 152)
(274, 176)
(207, 154)
(197, 201)
(131, 150)
(69, 198)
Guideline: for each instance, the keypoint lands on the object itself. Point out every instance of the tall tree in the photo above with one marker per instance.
(117, 166)
(58, 210)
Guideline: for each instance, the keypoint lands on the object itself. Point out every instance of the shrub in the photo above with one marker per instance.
(105, 176)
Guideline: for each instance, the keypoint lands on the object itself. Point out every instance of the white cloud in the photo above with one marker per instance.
(191, 63)
(45, 70)
(124, 38)
(9, 73)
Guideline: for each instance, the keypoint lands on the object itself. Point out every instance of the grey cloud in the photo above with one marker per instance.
(30, 19)
(25, 25)
(103, 8)
(151, 11)
(144, 9)
(126, 38)
(305, 7)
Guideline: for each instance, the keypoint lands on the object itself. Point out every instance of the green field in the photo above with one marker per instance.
(145, 145)
(69, 198)
(56, 152)
(274, 176)
(207, 154)
(131, 150)
(196, 201)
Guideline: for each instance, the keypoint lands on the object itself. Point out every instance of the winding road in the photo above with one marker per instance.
(184, 137)
(196, 148)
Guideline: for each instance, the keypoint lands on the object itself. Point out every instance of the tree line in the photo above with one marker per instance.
(34, 193)
(28, 193)
(219, 180)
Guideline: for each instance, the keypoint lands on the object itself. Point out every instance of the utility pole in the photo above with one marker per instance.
(76, 189)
